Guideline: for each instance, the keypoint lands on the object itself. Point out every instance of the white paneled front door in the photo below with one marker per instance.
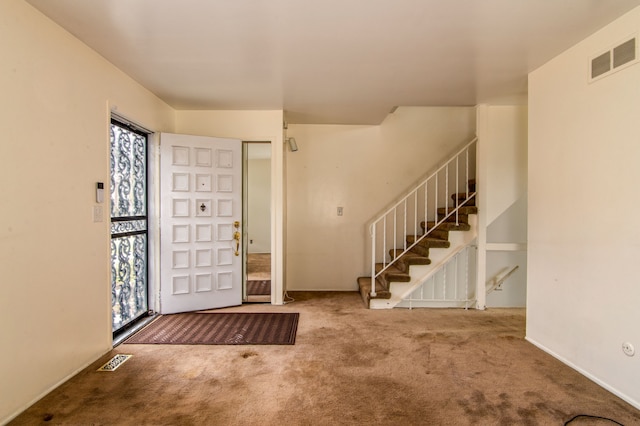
(200, 229)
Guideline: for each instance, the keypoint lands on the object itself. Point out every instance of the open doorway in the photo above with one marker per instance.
(257, 220)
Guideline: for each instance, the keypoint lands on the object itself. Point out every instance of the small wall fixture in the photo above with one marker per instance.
(293, 146)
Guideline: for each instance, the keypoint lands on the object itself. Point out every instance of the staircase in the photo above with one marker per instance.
(423, 251)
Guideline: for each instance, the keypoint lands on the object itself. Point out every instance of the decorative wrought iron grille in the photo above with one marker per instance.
(128, 225)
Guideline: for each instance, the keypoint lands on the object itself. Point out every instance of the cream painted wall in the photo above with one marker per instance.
(504, 144)
(251, 126)
(362, 169)
(502, 216)
(584, 150)
(55, 309)
(259, 187)
(506, 249)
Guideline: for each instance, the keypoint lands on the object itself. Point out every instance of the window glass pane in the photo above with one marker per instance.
(128, 225)
(128, 278)
(128, 173)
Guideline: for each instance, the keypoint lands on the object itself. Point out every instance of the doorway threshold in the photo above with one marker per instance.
(258, 299)
(123, 335)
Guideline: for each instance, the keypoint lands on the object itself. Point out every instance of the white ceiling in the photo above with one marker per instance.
(331, 61)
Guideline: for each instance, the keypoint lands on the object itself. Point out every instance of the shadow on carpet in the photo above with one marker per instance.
(225, 328)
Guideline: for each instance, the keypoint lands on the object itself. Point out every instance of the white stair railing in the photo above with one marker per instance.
(389, 231)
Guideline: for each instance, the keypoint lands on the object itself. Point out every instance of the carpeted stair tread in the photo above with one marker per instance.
(410, 257)
(392, 273)
(448, 217)
(464, 210)
(420, 250)
(459, 199)
(441, 233)
(448, 226)
(430, 242)
(407, 259)
(364, 284)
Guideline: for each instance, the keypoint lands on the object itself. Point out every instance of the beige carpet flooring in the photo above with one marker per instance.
(349, 366)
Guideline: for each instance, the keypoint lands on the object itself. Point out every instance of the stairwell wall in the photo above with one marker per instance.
(502, 192)
(583, 251)
(507, 249)
(361, 169)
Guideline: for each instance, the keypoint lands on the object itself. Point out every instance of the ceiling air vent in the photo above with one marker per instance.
(613, 59)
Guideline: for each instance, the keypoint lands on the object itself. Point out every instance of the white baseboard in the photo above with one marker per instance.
(585, 373)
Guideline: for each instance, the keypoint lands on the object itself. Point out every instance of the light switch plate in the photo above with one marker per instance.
(97, 214)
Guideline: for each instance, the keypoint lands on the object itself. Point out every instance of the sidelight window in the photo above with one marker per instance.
(129, 236)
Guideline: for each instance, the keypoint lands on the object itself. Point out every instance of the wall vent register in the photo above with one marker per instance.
(614, 59)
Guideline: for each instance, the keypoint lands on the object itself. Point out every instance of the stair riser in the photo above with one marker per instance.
(464, 210)
(429, 242)
(450, 226)
(408, 257)
(398, 278)
(394, 273)
(405, 264)
(460, 202)
(434, 244)
(364, 284)
(422, 251)
(439, 233)
(463, 195)
(464, 218)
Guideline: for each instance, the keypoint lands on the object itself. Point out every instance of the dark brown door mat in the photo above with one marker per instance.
(259, 288)
(224, 328)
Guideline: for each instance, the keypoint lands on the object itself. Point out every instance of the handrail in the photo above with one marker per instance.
(419, 197)
(497, 282)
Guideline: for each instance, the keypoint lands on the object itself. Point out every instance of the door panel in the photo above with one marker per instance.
(201, 209)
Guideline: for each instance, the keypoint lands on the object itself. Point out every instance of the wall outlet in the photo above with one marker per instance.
(628, 349)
